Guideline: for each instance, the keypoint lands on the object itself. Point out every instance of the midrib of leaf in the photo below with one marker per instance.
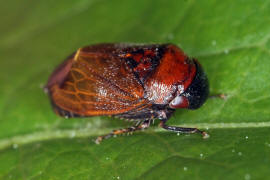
(19, 140)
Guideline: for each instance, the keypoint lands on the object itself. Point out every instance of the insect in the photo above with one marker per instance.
(139, 83)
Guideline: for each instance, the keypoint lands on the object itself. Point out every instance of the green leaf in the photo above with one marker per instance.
(230, 39)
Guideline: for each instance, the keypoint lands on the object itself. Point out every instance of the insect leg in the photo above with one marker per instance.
(140, 126)
(183, 129)
(221, 96)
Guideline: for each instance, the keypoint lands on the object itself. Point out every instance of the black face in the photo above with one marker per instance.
(198, 91)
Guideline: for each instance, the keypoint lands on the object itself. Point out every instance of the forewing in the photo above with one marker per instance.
(98, 83)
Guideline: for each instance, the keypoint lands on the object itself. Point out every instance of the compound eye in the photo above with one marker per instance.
(179, 102)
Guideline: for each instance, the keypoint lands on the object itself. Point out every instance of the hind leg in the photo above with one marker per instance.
(183, 129)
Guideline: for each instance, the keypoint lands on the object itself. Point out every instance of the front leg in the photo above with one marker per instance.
(183, 129)
(143, 125)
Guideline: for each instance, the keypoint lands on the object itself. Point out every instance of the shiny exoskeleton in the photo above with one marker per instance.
(135, 82)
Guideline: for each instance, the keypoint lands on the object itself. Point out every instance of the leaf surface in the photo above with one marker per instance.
(230, 39)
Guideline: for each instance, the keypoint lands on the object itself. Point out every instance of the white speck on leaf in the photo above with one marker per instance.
(89, 125)
(15, 146)
(170, 36)
(267, 144)
(185, 168)
(247, 177)
(41, 85)
(201, 155)
(72, 134)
